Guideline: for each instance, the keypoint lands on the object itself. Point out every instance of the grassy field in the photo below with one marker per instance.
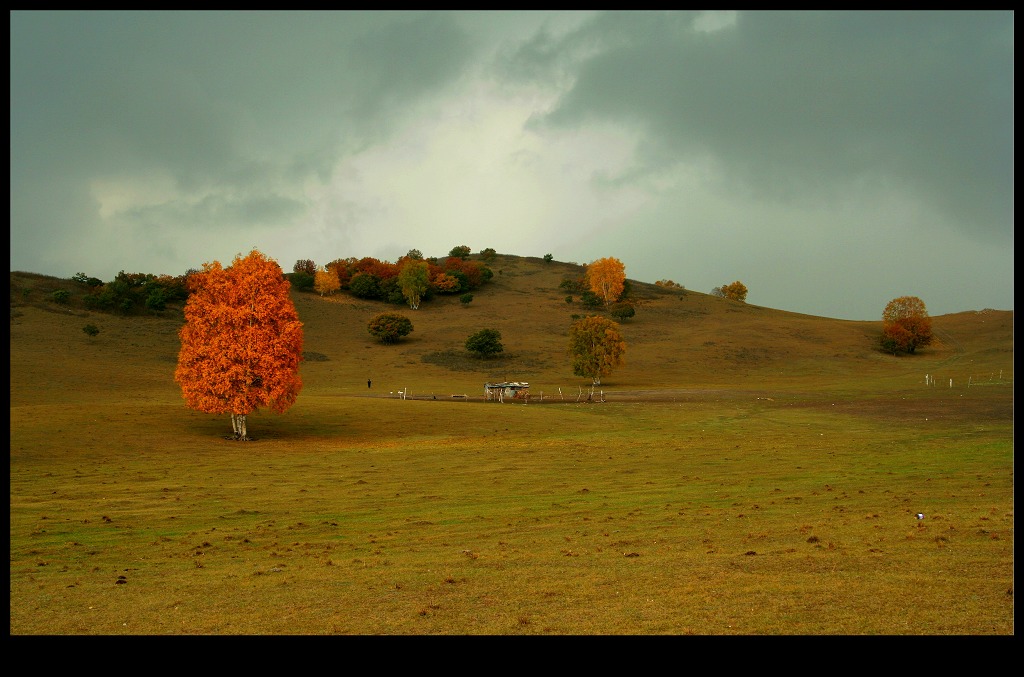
(750, 471)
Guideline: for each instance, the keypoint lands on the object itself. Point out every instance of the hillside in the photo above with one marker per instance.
(678, 340)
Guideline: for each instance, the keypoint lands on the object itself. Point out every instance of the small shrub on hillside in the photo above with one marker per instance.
(460, 252)
(389, 327)
(622, 311)
(548, 257)
(60, 296)
(466, 299)
(591, 300)
(573, 285)
(91, 329)
(485, 343)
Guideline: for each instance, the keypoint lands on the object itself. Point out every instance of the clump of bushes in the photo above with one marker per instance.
(128, 293)
(389, 327)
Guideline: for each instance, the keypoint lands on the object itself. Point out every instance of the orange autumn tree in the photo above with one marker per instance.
(905, 325)
(242, 341)
(606, 278)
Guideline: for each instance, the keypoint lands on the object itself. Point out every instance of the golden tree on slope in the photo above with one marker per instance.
(606, 278)
(737, 291)
(326, 281)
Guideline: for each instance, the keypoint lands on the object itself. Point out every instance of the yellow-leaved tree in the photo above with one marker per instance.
(326, 281)
(414, 281)
(242, 341)
(737, 291)
(606, 278)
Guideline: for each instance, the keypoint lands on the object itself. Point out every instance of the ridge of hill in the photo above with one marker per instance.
(679, 339)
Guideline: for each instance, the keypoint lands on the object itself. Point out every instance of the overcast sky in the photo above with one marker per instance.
(830, 161)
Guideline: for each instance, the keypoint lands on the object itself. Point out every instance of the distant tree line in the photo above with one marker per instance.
(410, 280)
(132, 293)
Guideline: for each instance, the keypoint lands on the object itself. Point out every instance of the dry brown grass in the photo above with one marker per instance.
(751, 472)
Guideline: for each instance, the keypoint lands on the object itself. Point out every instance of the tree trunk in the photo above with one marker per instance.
(238, 427)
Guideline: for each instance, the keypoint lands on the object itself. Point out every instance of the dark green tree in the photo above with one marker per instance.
(365, 286)
(301, 280)
(591, 300)
(485, 343)
(622, 311)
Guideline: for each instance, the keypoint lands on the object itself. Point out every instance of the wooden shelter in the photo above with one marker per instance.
(516, 390)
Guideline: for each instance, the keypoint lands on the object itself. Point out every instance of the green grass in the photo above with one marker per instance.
(762, 505)
(650, 527)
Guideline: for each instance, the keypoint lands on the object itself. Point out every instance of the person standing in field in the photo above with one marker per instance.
(367, 383)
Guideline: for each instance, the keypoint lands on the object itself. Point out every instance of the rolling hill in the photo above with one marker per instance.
(678, 340)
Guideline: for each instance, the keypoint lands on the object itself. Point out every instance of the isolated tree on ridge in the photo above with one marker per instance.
(736, 291)
(242, 341)
(905, 325)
